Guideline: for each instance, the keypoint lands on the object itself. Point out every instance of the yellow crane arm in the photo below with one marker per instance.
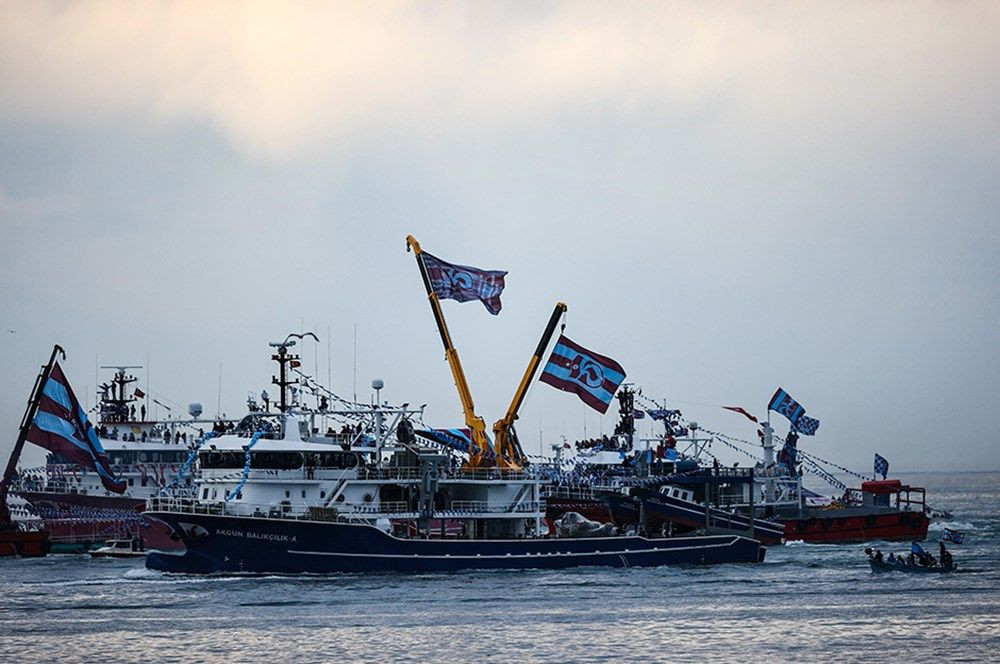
(475, 423)
(506, 440)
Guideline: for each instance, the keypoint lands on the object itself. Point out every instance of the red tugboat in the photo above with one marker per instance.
(880, 510)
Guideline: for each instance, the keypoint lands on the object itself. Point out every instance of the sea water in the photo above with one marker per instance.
(807, 602)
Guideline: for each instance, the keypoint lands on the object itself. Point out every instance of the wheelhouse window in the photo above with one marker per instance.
(336, 459)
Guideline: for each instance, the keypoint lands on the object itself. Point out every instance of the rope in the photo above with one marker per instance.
(192, 457)
(246, 468)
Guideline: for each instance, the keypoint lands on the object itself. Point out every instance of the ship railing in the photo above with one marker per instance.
(283, 510)
(486, 507)
(385, 507)
(575, 492)
(364, 511)
(389, 473)
(416, 473)
(490, 474)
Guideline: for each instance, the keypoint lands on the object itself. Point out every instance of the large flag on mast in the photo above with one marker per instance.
(783, 403)
(592, 377)
(61, 426)
(463, 283)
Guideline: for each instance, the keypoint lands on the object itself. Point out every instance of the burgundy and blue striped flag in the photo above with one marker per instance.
(61, 426)
(592, 377)
(464, 283)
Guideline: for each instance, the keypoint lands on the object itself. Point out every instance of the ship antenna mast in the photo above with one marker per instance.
(286, 360)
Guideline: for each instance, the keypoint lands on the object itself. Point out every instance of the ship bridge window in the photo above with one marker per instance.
(337, 459)
(276, 460)
(216, 459)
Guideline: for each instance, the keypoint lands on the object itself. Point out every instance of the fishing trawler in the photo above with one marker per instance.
(657, 484)
(70, 502)
(376, 499)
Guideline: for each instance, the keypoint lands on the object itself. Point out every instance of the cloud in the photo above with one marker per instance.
(276, 79)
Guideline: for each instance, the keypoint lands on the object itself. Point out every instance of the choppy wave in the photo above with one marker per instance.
(953, 525)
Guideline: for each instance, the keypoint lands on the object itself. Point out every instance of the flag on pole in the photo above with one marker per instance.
(881, 465)
(783, 403)
(463, 283)
(139, 394)
(743, 411)
(953, 536)
(61, 426)
(592, 377)
(806, 425)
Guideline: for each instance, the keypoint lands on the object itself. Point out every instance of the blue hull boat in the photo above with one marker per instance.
(237, 544)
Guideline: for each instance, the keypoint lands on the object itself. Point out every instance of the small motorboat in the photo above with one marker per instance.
(121, 548)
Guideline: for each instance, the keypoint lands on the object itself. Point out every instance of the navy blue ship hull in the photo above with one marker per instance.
(661, 508)
(226, 544)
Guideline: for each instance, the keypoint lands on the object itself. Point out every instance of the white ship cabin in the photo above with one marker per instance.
(147, 457)
(363, 477)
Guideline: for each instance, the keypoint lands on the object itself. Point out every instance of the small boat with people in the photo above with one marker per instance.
(918, 561)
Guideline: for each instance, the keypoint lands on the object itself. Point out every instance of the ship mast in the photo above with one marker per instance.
(117, 404)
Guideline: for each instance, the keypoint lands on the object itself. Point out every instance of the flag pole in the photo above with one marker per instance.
(6, 523)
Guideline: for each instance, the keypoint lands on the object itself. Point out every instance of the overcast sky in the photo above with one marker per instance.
(730, 197)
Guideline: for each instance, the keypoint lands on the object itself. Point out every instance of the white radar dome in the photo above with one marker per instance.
(194, 409)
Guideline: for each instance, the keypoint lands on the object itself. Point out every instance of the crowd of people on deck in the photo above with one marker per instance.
(620, 444)
(916, 558)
